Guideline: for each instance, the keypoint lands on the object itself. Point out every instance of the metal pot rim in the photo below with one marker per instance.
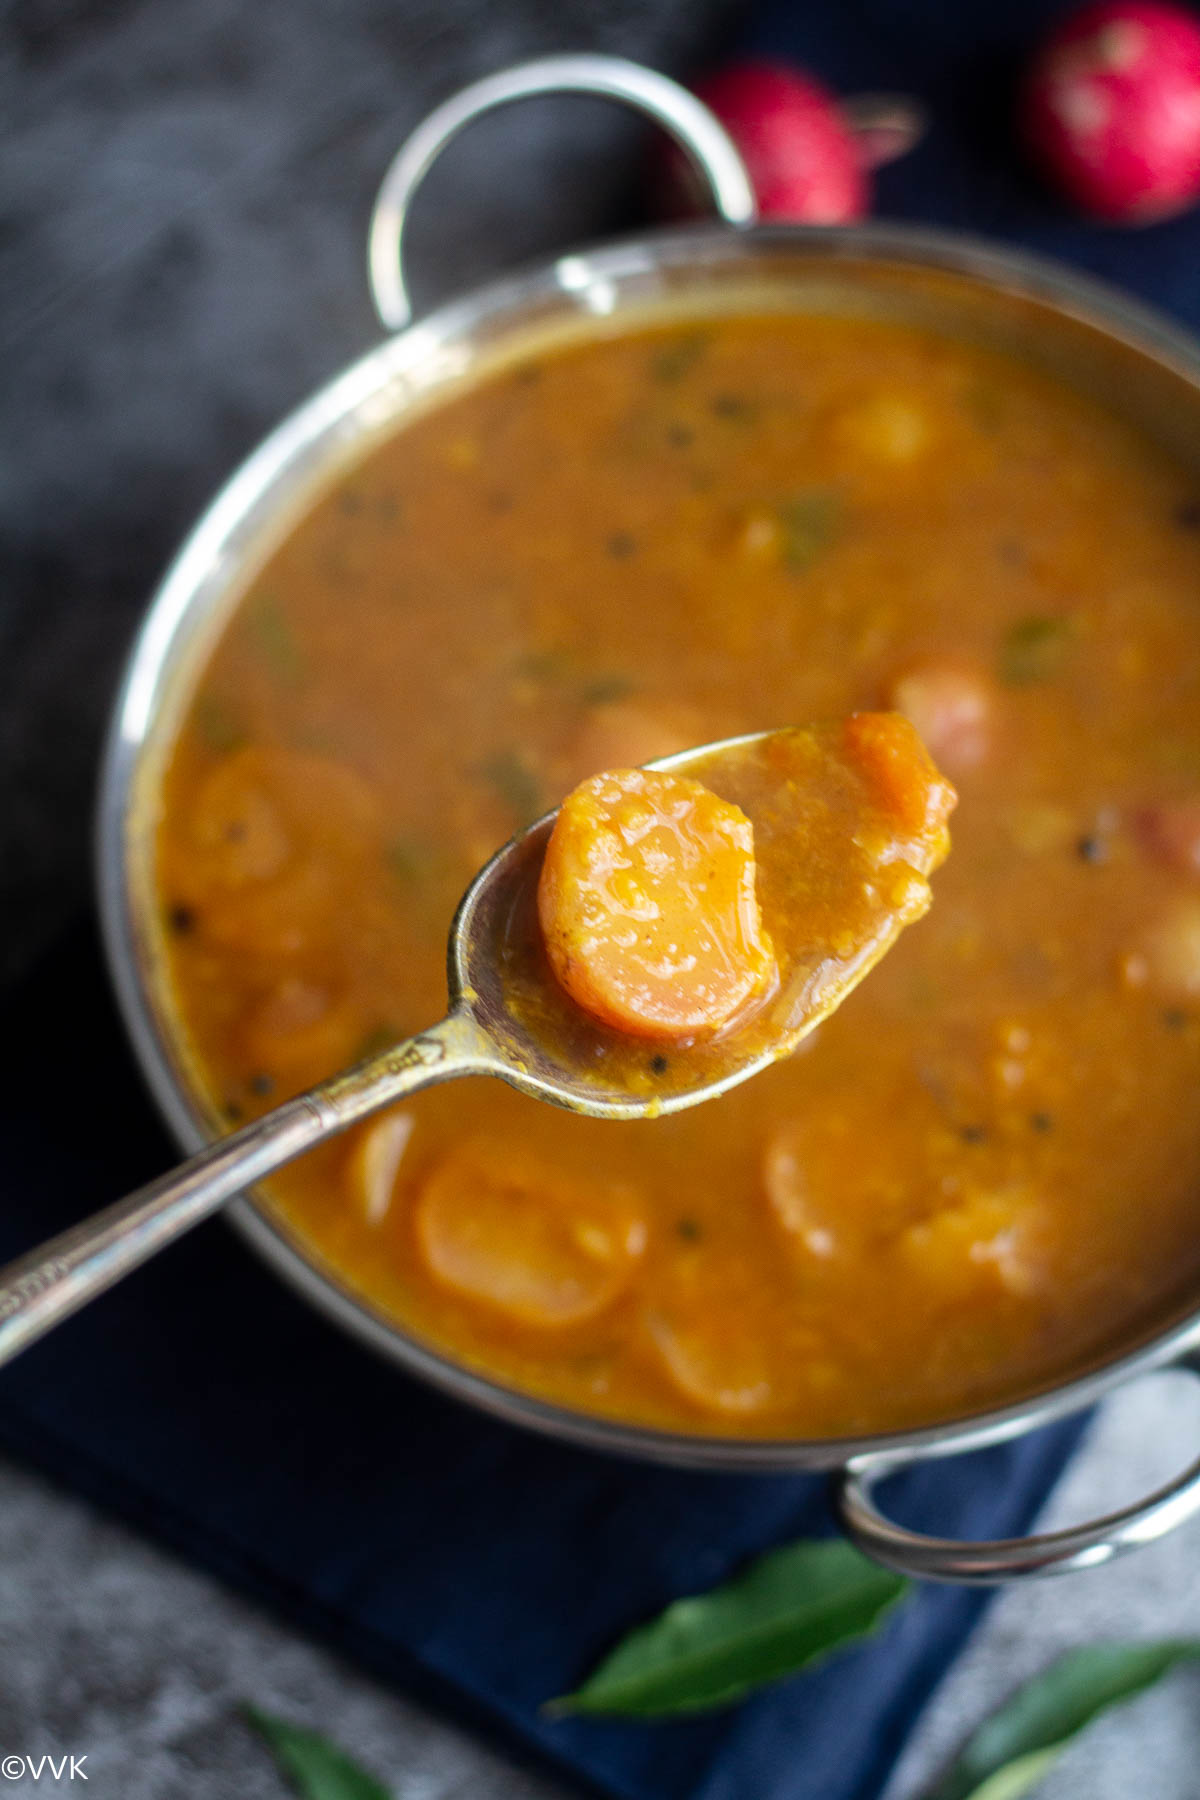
(590, 281)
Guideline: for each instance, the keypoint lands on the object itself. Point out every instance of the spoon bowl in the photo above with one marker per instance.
(538, 1041)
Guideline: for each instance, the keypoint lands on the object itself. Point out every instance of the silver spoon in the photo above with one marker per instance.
(578, 1066)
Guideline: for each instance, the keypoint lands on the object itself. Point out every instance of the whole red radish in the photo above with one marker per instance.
(1111, 108)
(799, 150)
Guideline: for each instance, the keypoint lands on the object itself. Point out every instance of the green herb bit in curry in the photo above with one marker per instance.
(409, 858)
(605, 690)
(374, 1042)
(554, 664)
(810, 521)
(218, 723)
(734, 407)
(382, 506)
(560, 668)
(678, 356)
(1033, 649)
(1177, 755)
(515, 782)
(275, 639)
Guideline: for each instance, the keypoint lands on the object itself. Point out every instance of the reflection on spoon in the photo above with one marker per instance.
(708, 916)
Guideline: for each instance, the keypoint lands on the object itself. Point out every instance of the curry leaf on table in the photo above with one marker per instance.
(1015, 1747)
(786, 1611)
(316, 1768)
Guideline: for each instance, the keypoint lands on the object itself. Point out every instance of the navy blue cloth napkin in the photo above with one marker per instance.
(482, 1566)
(479, 1565)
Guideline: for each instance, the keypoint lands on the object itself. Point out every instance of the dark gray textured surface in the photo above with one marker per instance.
(109, 1647)
(114, 1652)
(184, 192)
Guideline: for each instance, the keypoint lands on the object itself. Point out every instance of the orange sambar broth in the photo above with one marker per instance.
(985, 1169)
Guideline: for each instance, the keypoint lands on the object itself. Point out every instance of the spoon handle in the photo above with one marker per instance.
(43, 1287)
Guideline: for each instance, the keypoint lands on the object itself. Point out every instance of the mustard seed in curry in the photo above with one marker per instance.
(984, 1169)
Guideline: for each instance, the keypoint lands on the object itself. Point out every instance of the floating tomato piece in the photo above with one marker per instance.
(1169, 832)
(951, 706)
